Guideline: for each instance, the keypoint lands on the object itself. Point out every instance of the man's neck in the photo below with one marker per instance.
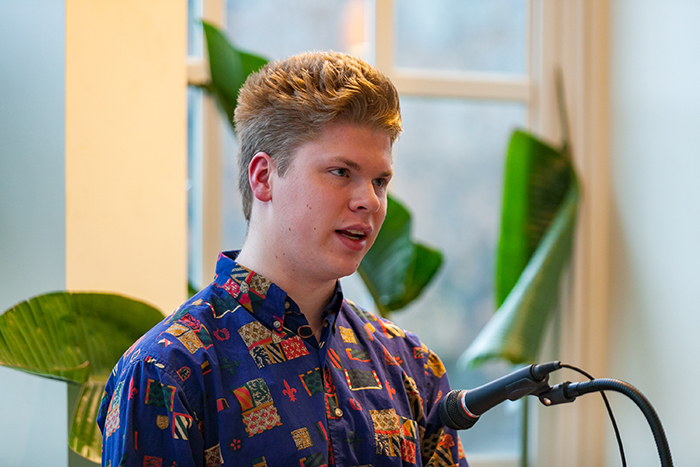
(312, 296)
(312, 301)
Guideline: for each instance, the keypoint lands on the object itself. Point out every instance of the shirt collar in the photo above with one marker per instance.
(260, 296)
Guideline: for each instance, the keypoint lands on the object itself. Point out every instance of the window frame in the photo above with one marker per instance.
(458, 85)
(206, 234)
(569, 35)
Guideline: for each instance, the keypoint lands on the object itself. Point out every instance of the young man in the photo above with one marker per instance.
(270, 365)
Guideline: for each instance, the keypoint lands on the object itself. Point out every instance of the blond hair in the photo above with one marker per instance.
(290, 102)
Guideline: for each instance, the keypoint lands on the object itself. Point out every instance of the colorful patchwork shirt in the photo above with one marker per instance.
(236, 377)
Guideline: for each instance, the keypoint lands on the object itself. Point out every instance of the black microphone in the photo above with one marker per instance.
(461, 409)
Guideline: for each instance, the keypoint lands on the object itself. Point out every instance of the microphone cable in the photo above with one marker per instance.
(461, 409)
(607, 406)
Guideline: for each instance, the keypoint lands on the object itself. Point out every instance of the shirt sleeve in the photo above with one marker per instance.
(440, 445)
(147, 420)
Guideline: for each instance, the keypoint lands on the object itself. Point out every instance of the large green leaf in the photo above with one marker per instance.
(538, 219)
(537, 177)
(85, 437)
(515, 331)
(396, 269)
(75, 337)
(229, 68)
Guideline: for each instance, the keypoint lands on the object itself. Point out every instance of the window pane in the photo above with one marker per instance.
(462, 35)
(194, 185)
(448, 166)
(194, 28)
(280, 28)
(234, 223)
(449, 171)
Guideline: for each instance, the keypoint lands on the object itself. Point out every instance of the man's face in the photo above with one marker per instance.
(330, 204)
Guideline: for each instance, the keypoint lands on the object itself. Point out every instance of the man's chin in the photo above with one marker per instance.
(347, 269)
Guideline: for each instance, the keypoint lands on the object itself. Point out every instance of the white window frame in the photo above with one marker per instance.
(575, 37)
(571, 35)
(207, 236)
(515, 88)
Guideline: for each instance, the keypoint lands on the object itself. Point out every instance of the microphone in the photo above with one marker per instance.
(461, 409)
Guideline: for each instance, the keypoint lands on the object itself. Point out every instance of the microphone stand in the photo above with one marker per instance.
(567, 392)
(460, 410)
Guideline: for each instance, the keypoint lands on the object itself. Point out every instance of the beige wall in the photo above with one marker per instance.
(655, 252)
(126, 141)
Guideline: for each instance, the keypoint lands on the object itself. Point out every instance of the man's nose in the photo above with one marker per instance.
(365, 197)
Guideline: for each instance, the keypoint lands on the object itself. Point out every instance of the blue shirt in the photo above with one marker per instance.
(236, 377)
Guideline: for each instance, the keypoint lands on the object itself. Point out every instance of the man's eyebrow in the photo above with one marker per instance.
(352, 164)
(355, 166)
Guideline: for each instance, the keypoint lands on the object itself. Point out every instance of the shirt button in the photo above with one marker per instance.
(277, 325)
(338, 412)
(287, 304)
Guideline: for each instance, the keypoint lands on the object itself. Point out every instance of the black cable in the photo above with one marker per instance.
(607, 406)
(571, 390)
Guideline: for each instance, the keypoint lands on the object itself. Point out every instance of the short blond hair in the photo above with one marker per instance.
(291, 101)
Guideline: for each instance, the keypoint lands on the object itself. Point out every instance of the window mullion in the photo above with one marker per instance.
(384, 35)
(209, 230)
(462, 85)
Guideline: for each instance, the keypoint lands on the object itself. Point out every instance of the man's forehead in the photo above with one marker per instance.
(334, 142)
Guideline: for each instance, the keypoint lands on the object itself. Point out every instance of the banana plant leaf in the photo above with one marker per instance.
(540, 202)
(396, 269)
(229, 68)
(78, 338)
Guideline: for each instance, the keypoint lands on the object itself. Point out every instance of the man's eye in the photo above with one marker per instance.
(380, 182)
(340, 172)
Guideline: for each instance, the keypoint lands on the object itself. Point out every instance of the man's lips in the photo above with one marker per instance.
(355, 236)
(354, 240)
(352, 234)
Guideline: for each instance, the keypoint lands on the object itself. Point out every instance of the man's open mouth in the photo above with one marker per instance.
(352, 234)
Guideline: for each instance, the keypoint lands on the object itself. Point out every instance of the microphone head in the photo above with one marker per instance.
(452, 413)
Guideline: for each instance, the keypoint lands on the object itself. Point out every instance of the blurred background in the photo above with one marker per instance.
(118, 174)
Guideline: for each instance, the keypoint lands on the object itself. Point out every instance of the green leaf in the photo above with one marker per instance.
(515, 331)
(536, 180)
(229, 68)
(539, 214)
(396, 269)
(74, 337)
(85, 437)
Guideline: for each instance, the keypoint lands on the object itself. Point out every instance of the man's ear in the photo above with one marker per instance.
(260, 171)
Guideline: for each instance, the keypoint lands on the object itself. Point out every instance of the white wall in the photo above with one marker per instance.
(655, 244)
(92, 177)
(32, 170)
(32, 214)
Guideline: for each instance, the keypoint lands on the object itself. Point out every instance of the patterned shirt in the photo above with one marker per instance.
(236, 377)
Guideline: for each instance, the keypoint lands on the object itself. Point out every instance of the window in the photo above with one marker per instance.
(461, 68)
(464, 72)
